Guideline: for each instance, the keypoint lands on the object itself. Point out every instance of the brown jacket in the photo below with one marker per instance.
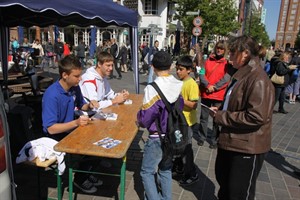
(246, 124)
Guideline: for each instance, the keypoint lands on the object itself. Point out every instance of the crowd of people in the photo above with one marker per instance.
(236, 91)
(230, 85)
(53, 52)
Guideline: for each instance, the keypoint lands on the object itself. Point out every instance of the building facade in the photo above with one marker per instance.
(288, 24)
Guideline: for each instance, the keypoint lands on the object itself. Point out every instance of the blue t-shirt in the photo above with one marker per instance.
(58, 106)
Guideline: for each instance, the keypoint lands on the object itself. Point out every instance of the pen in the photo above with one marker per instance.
(87, 99)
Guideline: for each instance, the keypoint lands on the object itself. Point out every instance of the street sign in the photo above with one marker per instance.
(197, 31)
(192, 13)
(198, 21)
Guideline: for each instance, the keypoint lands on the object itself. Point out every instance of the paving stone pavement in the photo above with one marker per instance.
(275, 182)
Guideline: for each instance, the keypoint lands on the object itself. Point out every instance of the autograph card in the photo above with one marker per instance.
(128, 101)
(107, 143)
(105, 116)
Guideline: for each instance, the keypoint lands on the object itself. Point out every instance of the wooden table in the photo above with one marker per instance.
(80, 141)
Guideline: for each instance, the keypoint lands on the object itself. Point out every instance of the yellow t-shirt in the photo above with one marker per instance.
(190, 91)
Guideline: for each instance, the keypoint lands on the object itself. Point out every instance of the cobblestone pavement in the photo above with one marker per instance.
(275, 182)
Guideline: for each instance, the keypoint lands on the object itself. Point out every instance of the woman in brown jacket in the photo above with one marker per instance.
(245, 119)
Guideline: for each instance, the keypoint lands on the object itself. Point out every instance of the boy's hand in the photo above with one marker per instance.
(125, 94)
(120, 98)
(93, 104)
(83, 120)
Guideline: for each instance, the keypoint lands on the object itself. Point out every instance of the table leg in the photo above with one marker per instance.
(70, 178)
(123, 176)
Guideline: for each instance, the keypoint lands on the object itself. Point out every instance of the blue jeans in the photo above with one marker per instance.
(150, 74)
(150, 170)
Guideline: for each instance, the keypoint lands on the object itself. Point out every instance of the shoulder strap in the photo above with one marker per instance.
(162, 96)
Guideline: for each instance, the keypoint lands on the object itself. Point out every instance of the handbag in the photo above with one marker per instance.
(277, 79)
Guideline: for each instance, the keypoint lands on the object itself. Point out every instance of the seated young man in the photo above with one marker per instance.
(58, 105)
(95, 86)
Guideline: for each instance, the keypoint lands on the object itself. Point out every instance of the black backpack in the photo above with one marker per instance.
(176, 138)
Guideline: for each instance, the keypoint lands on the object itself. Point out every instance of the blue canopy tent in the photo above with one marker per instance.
(63, 13)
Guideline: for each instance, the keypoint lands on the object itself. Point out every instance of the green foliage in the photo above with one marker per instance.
(220, 16)
(257, 30)
(297, 41)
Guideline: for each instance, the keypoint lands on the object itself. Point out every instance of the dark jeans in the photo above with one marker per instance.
(204, 121)
(280, 97)
(237, 173)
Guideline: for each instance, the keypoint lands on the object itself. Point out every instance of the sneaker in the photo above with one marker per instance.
(177, 172)
(200, 143)
(189, 181)
(297, 173)
(283, 111)
(86, 187)
(213, 146)
(95, 181)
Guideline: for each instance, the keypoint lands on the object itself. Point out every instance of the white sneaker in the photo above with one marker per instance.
(86, 187)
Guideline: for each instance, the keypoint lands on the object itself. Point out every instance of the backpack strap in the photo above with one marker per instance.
(162, 96)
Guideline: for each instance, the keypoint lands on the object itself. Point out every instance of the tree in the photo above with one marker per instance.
(219, 16)
(257, 30)
(297, 41)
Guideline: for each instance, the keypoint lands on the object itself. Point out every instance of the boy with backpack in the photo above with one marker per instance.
(190, 94)
(155, 166)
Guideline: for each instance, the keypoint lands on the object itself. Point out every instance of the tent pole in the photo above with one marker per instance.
(135, 59)
(4, 31)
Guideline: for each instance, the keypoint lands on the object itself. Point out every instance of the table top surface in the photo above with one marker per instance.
(80, 141)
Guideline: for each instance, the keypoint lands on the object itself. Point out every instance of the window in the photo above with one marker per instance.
(151, 7)
(291, 23)
(293, 12)
(292, 17)
(290, 28)
(294, 6)
(281, 28)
